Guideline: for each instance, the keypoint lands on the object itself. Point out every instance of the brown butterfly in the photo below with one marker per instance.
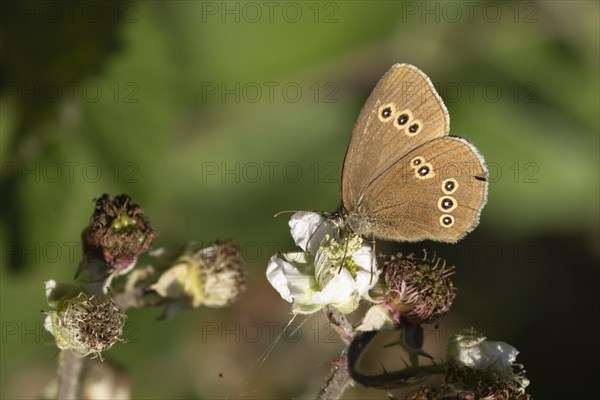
(404, 178)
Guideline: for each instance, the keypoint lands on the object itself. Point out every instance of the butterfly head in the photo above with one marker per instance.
(358, 223)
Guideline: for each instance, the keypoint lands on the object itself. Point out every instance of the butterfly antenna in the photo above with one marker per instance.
(285, 212)
(313, 234)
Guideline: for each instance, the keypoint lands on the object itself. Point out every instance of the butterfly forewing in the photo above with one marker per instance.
(403, 112)
(434, 192)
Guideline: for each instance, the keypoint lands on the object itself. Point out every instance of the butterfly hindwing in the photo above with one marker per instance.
(434, 192)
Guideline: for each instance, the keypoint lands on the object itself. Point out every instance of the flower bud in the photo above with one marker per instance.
(505, 391)
(489, 367)
(508, 391)
(472, 350)
(418, 290)
(377, 318)
(83, 323)
(118, 233)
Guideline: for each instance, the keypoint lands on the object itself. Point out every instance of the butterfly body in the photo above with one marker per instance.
(404, 178)
(359, 222)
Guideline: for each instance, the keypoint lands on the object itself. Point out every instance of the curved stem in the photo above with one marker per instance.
(386, 380)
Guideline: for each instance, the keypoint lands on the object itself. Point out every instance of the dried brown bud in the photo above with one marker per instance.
(118, 233)
(506, 391)
(212, 276)
(82, 322)
(444, 393)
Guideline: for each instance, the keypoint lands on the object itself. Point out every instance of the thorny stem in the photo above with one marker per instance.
(339, 379)
(344, 372)
(69, 373)
(386, 380)
(337, 382)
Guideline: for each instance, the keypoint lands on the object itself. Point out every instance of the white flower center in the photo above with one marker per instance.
(335, 254)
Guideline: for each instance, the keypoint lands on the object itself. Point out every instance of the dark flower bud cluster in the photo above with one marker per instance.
(419, 290)
(118, 233)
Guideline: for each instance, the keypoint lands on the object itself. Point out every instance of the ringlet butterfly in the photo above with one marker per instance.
(404, 178)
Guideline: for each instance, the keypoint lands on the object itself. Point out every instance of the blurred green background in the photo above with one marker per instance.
(214, 116)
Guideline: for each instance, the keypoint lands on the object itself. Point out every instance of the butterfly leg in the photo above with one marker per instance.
(345, 254)
(373, 259)
(313, 234)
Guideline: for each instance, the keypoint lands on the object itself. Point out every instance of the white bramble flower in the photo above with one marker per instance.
(472, 350)
(477, 362)
(80, 322)
(330, 271)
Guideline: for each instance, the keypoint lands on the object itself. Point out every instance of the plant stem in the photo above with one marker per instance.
(69, 374)
(339, 379)
(340, 323)
(387, 380)
(337, 382)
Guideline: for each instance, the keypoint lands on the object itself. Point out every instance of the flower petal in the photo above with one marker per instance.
(290, 275)
(476, 357)
(56, 291)
(277, 278)
(338, 292)
(339, 289)
(507, 354)
(364, 258)
(367, 273)
(484, 354)
(51, 323)
(300, 307)
(309, 228)
(172, 282)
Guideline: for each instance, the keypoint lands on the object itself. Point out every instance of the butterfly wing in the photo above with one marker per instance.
(403, 112)
(435, 192)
